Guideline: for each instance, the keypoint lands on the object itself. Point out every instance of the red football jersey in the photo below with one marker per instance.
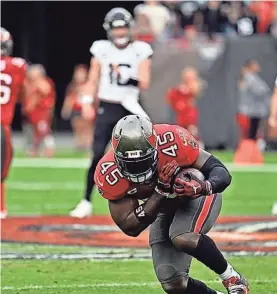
(174, 143)
(13, 71)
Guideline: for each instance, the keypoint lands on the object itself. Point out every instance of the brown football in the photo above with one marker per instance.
(194, 171)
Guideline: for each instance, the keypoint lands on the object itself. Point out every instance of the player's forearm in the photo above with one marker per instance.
(142, 216)
(217, 174)
(144, 74)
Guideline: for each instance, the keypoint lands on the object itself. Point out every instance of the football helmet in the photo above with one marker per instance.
(134, 142)
(116, 19)
(6, 42)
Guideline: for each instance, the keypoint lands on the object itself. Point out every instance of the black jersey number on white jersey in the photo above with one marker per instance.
(116, 79)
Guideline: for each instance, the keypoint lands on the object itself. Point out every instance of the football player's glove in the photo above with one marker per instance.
(166, 178)
(236, 285)
(6, 42)
(191, 186)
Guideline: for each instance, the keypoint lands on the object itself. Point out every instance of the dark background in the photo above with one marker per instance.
(58, 35)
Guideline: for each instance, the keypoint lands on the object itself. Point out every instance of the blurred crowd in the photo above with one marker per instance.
(158, 21)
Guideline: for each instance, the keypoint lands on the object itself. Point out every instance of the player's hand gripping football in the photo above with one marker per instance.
(166, 178)
(191, 186)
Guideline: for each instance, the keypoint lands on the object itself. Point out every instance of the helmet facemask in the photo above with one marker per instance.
(118, 23)
(136, 167)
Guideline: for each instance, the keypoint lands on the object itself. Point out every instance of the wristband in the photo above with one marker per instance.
(86, 99)
(159, 191)
(142, 216)
(209, 190)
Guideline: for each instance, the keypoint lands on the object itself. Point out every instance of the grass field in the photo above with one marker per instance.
(34, 189)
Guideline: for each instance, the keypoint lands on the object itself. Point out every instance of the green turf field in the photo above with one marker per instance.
(55, 190)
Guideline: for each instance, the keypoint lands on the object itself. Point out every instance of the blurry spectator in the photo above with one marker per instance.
(158, 15)
(265, 12)
(246, 24)
(142, 30)
(39, 102)
(174, 25)
(183, 98)
(254, 95)
(189, 14)
(272, 28)
(212, 18)
(82, 128)
(230, 12)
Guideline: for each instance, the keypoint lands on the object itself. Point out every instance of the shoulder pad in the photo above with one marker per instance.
(18, 62)
(110, 182)
(98, 48)
(176, 143)
(144, 50)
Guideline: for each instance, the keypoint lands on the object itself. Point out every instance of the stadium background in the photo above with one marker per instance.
(45, 251)
(38, 30)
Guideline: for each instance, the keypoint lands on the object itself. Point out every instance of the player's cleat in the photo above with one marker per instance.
(3, 214)
(83, 209)
(274, 208)
(235, 285)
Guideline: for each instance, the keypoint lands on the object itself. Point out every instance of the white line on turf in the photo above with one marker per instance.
(108, 285)
(38, 186)
(84, 163)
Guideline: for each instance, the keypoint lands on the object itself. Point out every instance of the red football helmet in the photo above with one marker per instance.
(6, 42)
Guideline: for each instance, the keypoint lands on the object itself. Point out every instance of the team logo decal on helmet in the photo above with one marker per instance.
(134, 142)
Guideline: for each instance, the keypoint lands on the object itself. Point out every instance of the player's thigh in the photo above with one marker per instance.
(169, 263)
(6, 151)
(196, 216)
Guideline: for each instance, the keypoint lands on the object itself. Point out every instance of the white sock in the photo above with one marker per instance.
(230, 272)
(219, 292)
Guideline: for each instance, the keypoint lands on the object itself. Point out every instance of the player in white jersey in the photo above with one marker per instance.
(272, 121)
(120, 68)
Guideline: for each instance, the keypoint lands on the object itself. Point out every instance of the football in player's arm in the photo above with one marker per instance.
(133, 218)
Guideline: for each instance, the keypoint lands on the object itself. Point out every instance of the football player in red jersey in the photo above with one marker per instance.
(13, 71)
(143, 164)
(39, 103)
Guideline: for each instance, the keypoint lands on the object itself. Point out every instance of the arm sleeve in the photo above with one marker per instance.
(217, 174)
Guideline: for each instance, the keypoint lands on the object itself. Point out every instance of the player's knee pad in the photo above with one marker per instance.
(176, 286)
(186, 242)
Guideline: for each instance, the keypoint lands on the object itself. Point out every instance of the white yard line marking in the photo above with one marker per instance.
(84, 163)
(38, 186)
(108, 285)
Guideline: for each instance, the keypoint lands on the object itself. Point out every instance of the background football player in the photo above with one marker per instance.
(119, 69)
(143, 164)
(13, 71)
(39, 102)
